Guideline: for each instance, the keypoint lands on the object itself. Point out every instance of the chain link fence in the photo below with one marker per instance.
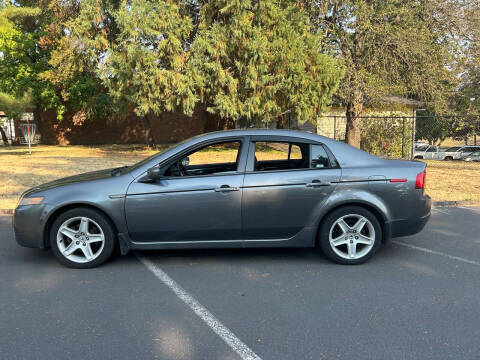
(401, 136)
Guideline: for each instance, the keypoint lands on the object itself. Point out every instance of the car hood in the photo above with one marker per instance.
(89, 176)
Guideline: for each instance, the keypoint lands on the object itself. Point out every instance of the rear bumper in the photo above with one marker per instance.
(27, 222)
(414, 224)
(409, 227)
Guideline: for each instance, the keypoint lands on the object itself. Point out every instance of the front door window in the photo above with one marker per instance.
(211, 159)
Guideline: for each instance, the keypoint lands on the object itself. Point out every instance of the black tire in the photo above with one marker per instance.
(418, 157)
(448, 158)
(100, 220)
(328, 222)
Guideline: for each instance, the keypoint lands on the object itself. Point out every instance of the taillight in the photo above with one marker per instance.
(420, 180)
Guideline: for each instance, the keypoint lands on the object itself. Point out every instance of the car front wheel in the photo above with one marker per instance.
(350, 235)
(82, 238)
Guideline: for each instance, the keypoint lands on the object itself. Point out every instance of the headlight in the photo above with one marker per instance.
(30, 200)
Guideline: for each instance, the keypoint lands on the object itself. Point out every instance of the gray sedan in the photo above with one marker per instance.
(236, 189)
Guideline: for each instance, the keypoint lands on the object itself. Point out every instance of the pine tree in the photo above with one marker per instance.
(259, 60)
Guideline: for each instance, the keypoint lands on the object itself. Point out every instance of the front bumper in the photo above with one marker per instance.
(28, 224)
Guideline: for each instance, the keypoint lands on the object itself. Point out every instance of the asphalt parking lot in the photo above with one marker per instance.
(418, 298)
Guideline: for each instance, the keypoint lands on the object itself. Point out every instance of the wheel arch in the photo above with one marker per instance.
(60, 210)
(379, 214)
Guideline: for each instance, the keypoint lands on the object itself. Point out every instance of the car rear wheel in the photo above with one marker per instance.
(448, 158)
(350, 235)
(82, 238)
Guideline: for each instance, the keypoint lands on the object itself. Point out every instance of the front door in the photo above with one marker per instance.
(197, 199)
(284, 184)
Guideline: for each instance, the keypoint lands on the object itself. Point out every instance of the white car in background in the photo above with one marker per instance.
(425, 151)
(458, 152)
(475, 156)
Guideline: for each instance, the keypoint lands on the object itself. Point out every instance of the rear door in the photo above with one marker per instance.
(286, 180)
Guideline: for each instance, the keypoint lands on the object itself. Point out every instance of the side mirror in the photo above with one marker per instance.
(185, 161)
(154, 173)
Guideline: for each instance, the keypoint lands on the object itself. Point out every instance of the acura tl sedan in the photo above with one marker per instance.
(230, 189)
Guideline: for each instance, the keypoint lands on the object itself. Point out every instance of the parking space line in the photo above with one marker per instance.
(436, 209)
(458, 258)
(221, 330)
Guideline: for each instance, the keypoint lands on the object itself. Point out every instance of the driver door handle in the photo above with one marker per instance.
(226, 188)
(316, 183)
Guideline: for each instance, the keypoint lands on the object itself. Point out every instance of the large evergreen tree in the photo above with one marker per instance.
(259, 60)
(134, 50)
(78, 35)
(145, 65)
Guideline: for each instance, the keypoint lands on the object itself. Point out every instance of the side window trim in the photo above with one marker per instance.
(251, 154)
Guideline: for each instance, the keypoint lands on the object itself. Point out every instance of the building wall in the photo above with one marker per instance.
(333, 124)
(169, 128)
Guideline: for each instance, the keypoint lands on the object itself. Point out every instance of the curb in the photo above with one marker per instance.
(455, 203)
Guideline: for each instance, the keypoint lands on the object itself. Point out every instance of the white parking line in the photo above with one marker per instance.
(472, 262)
(221, 330)
(436, 209)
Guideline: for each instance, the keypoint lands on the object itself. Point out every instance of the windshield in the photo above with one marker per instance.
(150, 158)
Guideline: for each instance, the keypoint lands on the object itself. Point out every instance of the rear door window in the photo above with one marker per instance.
(271, 155)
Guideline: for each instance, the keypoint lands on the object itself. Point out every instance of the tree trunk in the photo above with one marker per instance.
(354, 123)
(147, 129)
(4, 137)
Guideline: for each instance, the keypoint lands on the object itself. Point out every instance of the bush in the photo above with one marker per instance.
(383, 136)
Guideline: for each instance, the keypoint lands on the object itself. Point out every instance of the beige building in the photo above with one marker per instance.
(333, 123)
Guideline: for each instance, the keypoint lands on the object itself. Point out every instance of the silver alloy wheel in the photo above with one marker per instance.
(80, 239)
(352, 236)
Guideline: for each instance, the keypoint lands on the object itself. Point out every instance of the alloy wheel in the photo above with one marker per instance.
(80, 239)
(352, 236)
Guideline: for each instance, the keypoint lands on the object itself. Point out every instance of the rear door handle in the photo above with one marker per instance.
(316, 183)
(226, 188)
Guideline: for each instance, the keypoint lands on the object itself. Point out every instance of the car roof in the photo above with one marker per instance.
(266, 132)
